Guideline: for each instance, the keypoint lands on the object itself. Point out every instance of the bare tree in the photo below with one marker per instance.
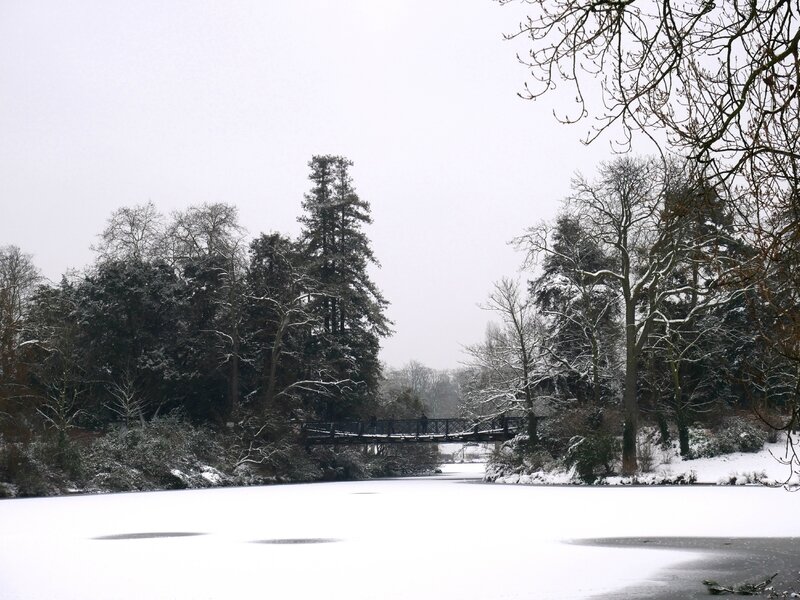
(133, 233)
(775, 373)
(632, 216)
(720, 78)
(414, 377)
(206, 230)
(18, 278)
(508, 365)
(679, 346)
(210, 234)
(127, 402)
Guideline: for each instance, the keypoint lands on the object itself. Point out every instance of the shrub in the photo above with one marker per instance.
(646, 456)
(735, 434)
(166, 453)
(556, 432)
(25, 466)
(741, 435)
(661, 478)
(281, 461)
(702, 443)
(515, 457)
(747, 478)
(341, 463)
(593, 455)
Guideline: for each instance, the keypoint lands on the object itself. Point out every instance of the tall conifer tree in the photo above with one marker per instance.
(350, 306)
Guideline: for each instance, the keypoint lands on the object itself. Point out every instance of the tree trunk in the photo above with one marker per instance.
(680, 411)
(630, 406)
(533, 426)
(595, 371)
(682, 423)
(683, 434)
(269, 398)
(233, 388)
(663, 427)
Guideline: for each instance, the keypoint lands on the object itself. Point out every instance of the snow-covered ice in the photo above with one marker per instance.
(419, 538)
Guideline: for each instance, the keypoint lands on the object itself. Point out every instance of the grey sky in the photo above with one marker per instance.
(109, 103)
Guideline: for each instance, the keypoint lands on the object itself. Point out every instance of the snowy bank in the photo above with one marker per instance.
(765, 467)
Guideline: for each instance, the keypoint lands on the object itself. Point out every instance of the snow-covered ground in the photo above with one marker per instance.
(424, 538)
(733, 468)
(740, 468)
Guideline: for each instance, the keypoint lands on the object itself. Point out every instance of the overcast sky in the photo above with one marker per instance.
(106, 104)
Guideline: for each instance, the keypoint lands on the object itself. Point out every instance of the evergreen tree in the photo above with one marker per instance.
(350, 307)
(277, 317)
(685, 361)
(581, 311)
(206, 242)
(128, 315)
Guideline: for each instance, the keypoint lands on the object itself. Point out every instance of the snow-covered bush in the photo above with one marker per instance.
(41, 467)
(646, 455)
(25, 473)
(281, 461)
(166, 453)
(593, 456)
(556, 432)
(514, 458)
(747, 478)
(702, 443)
(341, 463)
(735, 434)
(351, 463)
(661, 478)
(738, 434)
(398, 459)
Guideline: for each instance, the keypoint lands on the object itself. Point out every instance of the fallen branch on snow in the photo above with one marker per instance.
(745, 589)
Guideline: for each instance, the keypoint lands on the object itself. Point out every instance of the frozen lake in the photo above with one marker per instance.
(431, 538)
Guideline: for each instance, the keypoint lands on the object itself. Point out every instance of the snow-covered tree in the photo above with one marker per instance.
(436, 389)
(349, 304)
(207, 243)
(645, 229)
(128, 316)
(580, 312)
(18, 279)
(280, 320)
(60, 381)
(508, 366)
(135, 233)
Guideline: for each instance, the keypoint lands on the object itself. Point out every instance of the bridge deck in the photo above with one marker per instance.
(396, 431)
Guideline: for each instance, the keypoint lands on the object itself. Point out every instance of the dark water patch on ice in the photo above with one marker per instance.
(298, 541)
(147, 535)
(728, 560)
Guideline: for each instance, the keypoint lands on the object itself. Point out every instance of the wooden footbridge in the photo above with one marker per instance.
(397, 431)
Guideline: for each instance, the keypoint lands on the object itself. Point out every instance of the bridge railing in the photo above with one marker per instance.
(374, 430)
